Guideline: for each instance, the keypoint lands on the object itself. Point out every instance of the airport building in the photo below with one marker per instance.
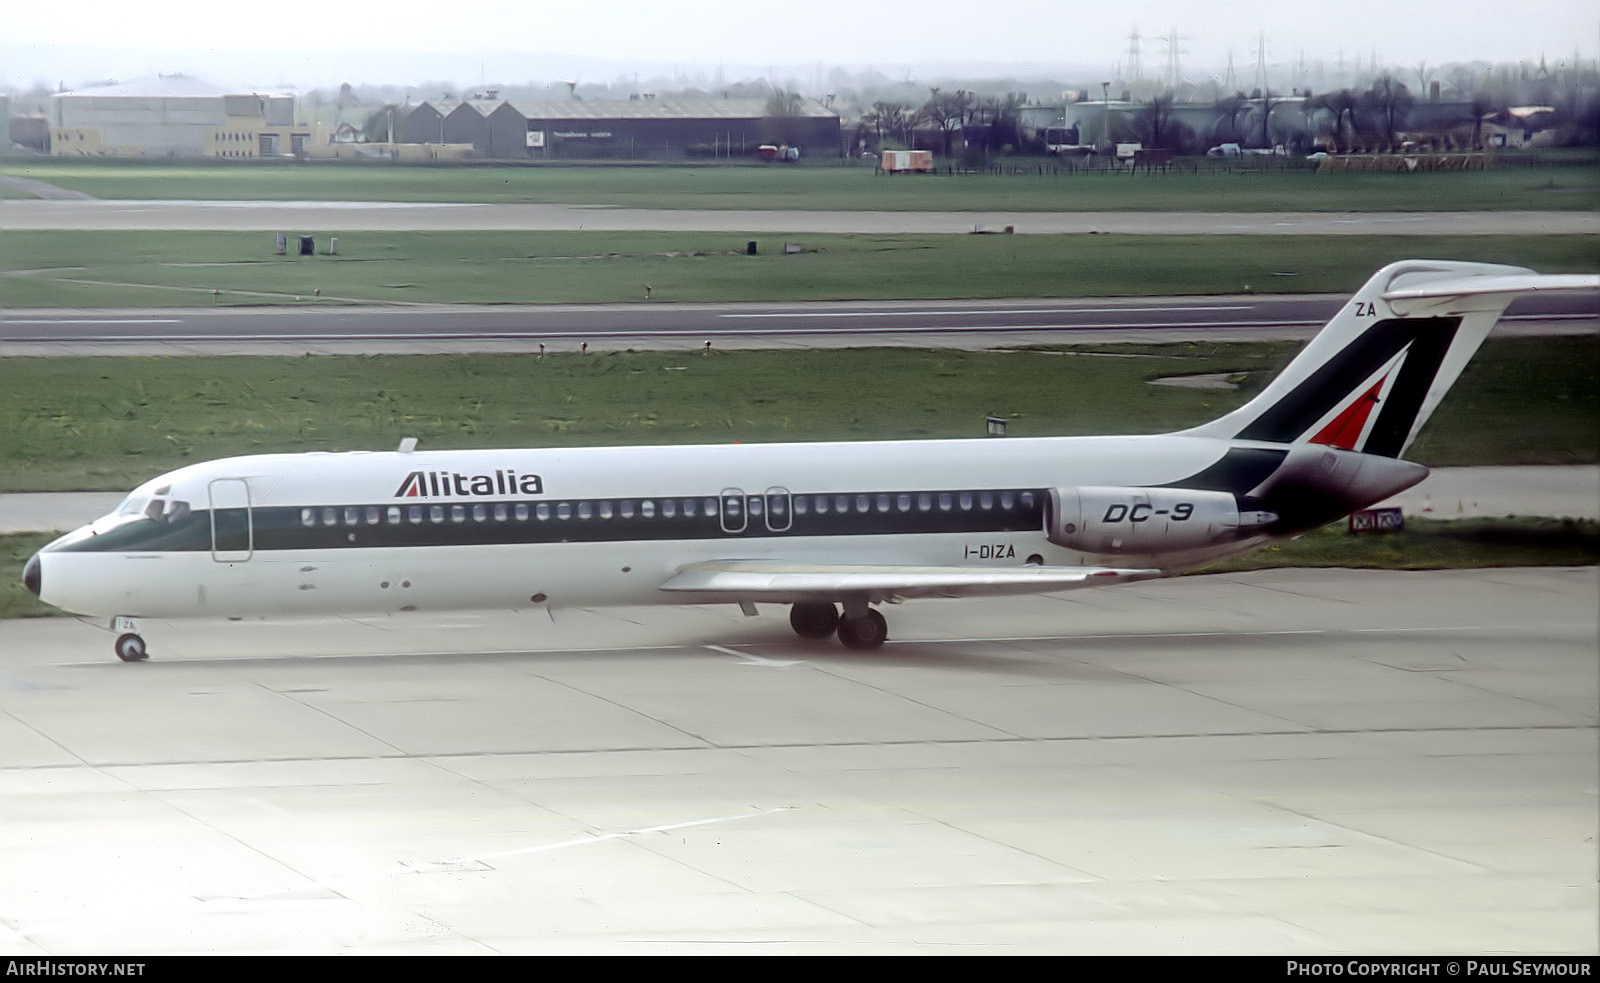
(642, 128)
(445, 122)
(174, 116)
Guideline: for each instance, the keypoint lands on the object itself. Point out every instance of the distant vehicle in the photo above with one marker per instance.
(1063, 142)
(828, 529)
(906, 161)
(1234, 150)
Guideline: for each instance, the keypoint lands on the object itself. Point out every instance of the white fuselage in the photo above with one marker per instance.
(365, 533)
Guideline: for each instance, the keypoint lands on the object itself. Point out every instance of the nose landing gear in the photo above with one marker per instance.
(129, 645)
(130, 648)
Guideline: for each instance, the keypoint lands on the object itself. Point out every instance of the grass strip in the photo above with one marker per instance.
(111, 423)
(1021, 185)
(1431, 544)
(208, 269)
(15, 601)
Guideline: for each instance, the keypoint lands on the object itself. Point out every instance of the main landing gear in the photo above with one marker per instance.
(865, 629)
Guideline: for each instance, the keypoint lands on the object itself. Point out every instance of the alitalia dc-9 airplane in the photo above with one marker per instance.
(830, 529)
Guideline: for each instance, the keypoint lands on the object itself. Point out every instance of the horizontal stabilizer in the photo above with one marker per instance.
(787, 582)
(1462, 295)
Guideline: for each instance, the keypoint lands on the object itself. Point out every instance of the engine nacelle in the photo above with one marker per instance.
(1147, 520)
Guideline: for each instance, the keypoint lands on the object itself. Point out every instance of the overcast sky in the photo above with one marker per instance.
(516, 41)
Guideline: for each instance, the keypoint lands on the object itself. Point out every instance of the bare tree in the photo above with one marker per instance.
(949, 111)
(783, 120)
(1229, 109)
(1483, 106)
(1389, 102)
(892, 118)
(1267, 100)
(1155, 123)
(1342, 104)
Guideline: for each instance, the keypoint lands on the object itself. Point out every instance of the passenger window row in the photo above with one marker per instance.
(881, 503)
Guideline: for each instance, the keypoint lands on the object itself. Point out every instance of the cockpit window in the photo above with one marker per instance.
(154, 505)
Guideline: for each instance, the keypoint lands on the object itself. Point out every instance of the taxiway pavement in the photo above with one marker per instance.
(345, 216)
(1300, 762)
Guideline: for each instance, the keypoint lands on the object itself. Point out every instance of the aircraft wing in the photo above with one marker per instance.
(794, 581)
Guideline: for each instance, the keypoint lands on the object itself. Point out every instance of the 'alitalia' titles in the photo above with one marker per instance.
(441, 484)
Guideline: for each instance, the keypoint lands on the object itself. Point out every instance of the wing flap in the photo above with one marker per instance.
(788, 582)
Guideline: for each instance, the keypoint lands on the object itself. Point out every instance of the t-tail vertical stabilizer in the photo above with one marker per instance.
(1371, 378)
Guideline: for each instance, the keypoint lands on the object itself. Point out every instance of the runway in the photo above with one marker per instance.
(1287, 762)
(18, 214)
(423, 329)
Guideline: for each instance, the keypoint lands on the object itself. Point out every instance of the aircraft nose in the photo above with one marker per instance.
(30, 575)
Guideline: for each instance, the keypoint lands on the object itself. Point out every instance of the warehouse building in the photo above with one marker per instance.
(446, 121)
(634, 129)
(173, 116)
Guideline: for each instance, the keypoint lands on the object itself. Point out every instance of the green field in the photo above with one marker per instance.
(1427, 544)
(110, 423)
(177, 269)
(827, 186)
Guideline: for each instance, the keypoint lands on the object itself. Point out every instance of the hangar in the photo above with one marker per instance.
(173, 116)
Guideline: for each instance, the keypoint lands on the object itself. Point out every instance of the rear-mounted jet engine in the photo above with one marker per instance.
(1148, 520)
